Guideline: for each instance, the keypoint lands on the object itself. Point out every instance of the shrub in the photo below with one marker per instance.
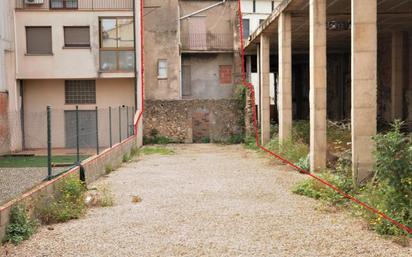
(250, 143)
(289, 149)
(304, 163)
(21, 227)
(155, 138)
(68, 202)
(391, 189)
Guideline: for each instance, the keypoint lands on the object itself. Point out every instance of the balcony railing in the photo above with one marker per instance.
(207, 42)
(76, 5)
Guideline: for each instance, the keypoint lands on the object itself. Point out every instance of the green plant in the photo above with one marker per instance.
(155, 138)
(108, 168)
(67, 203)
(289, 149)
(106, 197)
(301, 131)
(205, 140)
(21, 227)
(315, 189)
(134, 151)
(391, 189)
(240, 94)
(250, 143)
(125, 158)
(304, 163)
(157, 150)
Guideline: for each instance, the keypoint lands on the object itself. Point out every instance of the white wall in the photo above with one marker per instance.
(64, 63)
(254, 79)
(263, 10)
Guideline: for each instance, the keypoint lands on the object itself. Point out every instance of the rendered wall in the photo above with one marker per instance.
(40, 93)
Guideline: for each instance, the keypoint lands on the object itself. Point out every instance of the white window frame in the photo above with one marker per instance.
(160, 69)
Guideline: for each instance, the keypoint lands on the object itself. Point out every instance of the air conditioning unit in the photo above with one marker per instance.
(33, 1)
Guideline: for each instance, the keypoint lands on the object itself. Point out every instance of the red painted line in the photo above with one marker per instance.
(141, 67)
(249, 86)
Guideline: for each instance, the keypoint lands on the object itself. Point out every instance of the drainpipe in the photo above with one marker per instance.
(201, 10)
(134, 54)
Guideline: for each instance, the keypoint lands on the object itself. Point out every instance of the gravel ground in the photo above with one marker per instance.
(15, 181)
(208, 200)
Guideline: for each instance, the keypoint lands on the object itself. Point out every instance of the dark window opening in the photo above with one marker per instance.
(64, 4)
(77, 36)
(39, 40)
(254, 5)
(246, 28)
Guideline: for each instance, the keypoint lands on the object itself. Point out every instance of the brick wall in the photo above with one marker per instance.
(194, 120)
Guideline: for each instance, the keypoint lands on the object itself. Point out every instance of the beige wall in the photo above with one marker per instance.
(40, 93)
(161, 42)
(64, 63)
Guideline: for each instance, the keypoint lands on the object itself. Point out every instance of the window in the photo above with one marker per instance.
(63, 4)
(116, 44)
(39, 40)
(162, 69)
(254, 5)
(246, 28)
(80, 91)
(77, 36)
(225, 74)
(273, 5)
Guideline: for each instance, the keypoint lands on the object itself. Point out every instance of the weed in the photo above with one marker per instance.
(125, 158)
(205, 140)
(134, 151)
(250, 143)
(21, 227)
(156, 139)
(289, 149)
(108, 168)
(157, 150)
(67, 203)
(106, 196)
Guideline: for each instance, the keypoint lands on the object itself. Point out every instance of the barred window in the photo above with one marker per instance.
(80, 91)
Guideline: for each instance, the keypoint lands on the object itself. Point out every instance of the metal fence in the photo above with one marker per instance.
(207, 41)
(48, 143)
(75, 4)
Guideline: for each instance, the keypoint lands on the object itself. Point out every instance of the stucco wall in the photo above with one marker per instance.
(161, 42)
(184, 120)
(40, 93)
(205, 78)
(64, 63)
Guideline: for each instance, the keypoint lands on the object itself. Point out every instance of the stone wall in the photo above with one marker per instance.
(187, 121)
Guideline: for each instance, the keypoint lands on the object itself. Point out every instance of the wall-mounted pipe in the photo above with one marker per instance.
(202, 10)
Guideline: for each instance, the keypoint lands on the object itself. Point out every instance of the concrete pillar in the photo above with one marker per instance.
(318, 83)
(364, 86)
(285, 76)
(264, 88)
(397, 77)
(257, 89)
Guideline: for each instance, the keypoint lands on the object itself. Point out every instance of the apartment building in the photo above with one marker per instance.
(192, 66)
(254, 13)
(336, 60)
(75, 53)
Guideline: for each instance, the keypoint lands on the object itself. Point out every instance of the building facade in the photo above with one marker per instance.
(336, 61)
(192, 64)
(72, 53)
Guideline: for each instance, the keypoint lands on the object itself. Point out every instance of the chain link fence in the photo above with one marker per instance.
(48, 143)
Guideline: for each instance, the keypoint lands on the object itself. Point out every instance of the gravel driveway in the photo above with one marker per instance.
(208, 200)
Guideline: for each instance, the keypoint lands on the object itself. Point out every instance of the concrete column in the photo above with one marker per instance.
(397, 75)
(264, 88)
(257, 89)
(364, 86)
(318, 82)
(285, 77)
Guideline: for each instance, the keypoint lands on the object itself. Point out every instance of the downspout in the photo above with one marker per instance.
(201, 10)
(135, 58)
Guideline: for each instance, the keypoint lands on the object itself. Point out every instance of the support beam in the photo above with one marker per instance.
(397, 73)
(318, 84)
(264, 88)
(364, 86)
(285, 76)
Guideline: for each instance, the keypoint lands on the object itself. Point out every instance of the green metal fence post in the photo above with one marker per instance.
(110, 126)
(49, 143)
(77, 136)
(97, 131)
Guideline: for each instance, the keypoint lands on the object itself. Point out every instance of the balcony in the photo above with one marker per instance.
(207, 42)
(92, 5)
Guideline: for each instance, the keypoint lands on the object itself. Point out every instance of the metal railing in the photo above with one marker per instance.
(75, 5)
(207, 41)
